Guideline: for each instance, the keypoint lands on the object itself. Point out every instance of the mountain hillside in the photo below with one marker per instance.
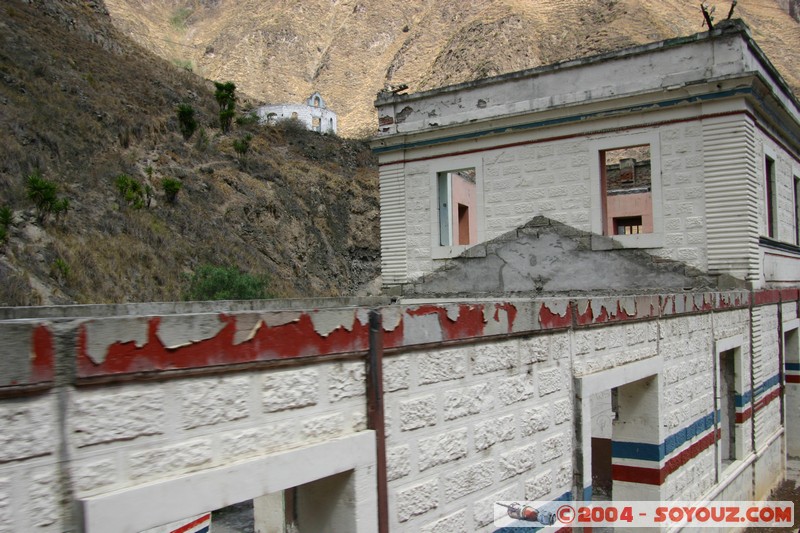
(81, 105)
(282, 51)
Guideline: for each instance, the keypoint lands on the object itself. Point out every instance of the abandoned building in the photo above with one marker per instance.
(593, 269)
(314, 114)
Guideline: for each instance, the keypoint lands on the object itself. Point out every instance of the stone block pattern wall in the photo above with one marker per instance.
(766, 375)
(475, 424)
(127, 434)
(552, 179)
(123, 435)
(29, 488)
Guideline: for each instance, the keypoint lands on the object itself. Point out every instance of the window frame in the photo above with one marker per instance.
(596, 148)
(446, 165)
(796, 193)
(735, 345)
(771, 228)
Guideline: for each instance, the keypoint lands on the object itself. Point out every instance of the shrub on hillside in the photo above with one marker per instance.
(171, 188)
(186, 120)
(42, 193)
(247, 119)
(131, 191)
(225, 94)
(211, 282)
(241, 146)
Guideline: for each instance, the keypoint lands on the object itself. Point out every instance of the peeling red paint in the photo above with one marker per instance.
(292, 340)
(469, 324)
(394, 338)
(43, 363)
(550, 320)
(511, 313)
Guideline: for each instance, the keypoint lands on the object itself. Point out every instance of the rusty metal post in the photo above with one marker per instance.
(375, 415)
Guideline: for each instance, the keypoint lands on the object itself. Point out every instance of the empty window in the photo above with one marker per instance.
(627, 190)
(627, 225)
(726, 394)
(316, 101)
(796, 211)
(457, 205)
(315, 123)
(294, 114)
(770, 197)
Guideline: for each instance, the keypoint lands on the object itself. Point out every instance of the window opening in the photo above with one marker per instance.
(316, 101)
(315, 123)
(727, 406)
(771, 199)
(627, 225)
(463, 224)
(791, 396)
(627, 190)
(457, 203)
(294, 114)
(796, 211)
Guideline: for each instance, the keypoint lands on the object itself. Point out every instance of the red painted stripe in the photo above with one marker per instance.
(767, 399)
(194, 523)
(636, 474)
(744, 415)
(792, 378)
(768, 296)
(657, 476)
(689, 453)
(788, 295)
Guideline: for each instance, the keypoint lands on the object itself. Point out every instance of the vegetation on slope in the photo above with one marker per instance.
(81, 105)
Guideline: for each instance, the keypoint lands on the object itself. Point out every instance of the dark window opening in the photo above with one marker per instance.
(727, 406)
(463, 224)
(627, 225)
(771, 198)
(796, 211)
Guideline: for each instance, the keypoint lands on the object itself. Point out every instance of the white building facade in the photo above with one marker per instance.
(715, 121)
(314, 113)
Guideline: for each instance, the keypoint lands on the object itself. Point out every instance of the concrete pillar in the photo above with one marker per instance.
(268, 513)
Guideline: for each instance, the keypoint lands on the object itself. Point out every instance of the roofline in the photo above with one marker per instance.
(724, 28)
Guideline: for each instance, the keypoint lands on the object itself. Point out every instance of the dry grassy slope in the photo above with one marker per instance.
(347, 49)
(83, 104)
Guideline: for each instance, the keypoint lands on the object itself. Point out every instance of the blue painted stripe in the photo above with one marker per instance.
(792, 366)
(767, 385)
(587, 493)
(206, 529)
(637, 450)
(743, 399)
(657, 452)
(563, 120)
